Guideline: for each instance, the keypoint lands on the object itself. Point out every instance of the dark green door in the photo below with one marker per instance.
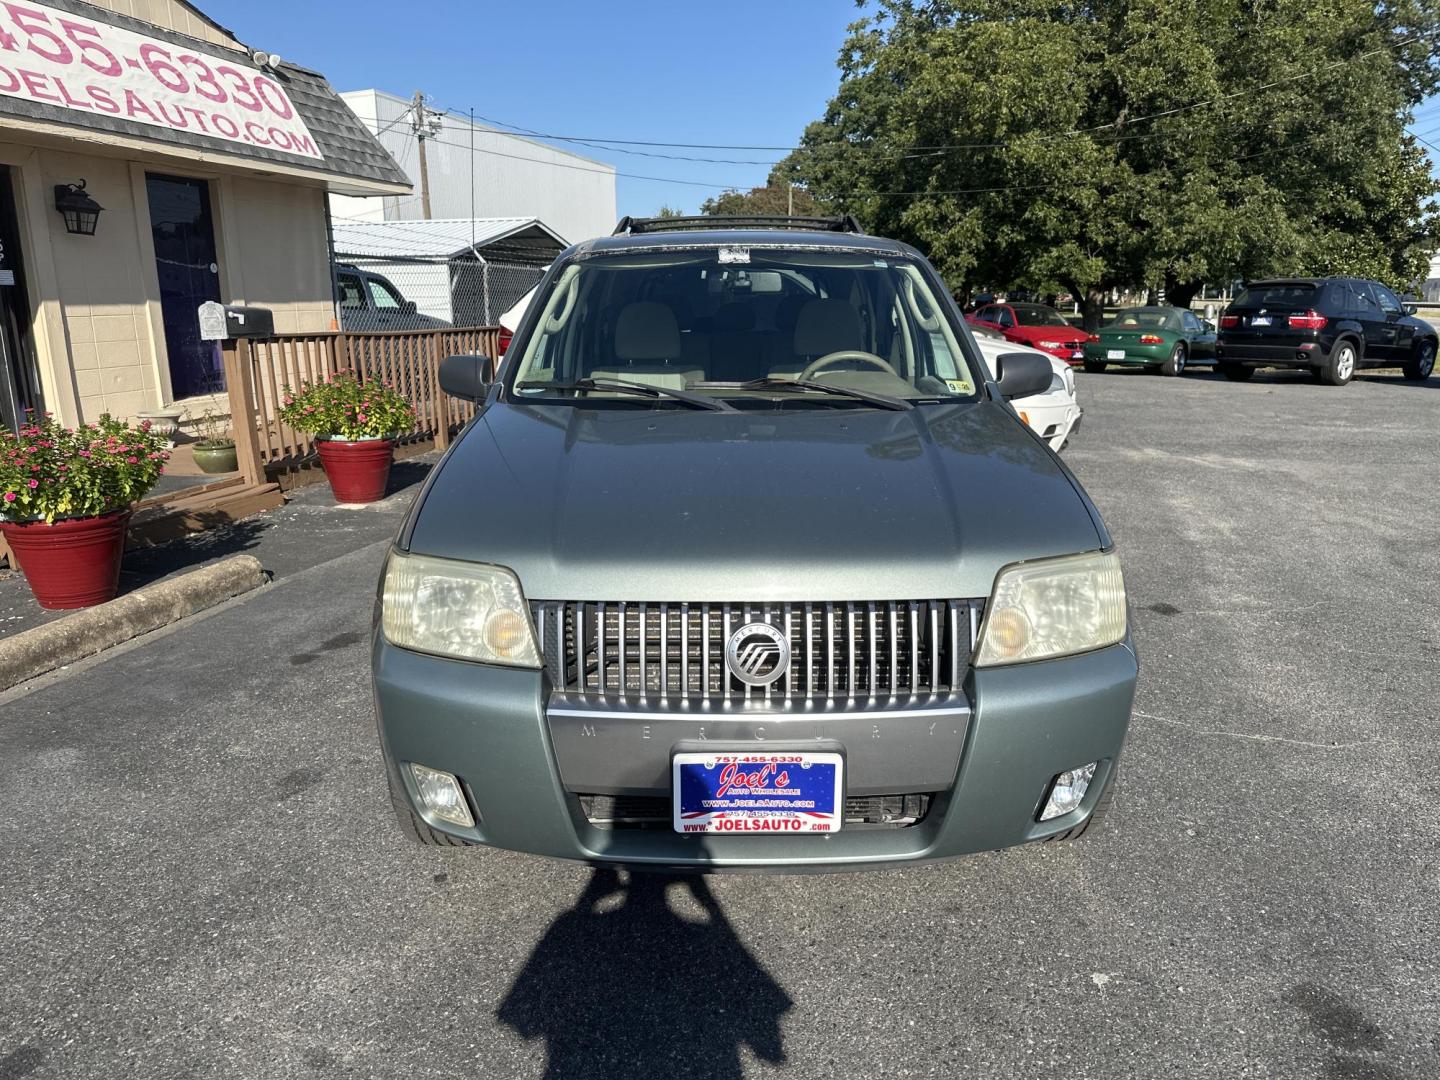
(19, 379)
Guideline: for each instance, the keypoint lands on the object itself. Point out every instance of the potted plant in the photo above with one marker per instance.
(214, 450)
(65, 499)
(355, 425)
(163, 422)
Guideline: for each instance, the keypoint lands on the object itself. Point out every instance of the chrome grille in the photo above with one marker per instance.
(666, 653)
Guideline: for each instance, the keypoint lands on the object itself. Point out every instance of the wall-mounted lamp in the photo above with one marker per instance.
(79, 210)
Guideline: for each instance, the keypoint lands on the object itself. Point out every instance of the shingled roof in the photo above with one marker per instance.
(350, 151)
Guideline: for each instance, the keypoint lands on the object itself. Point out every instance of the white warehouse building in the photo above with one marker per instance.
(512, 176)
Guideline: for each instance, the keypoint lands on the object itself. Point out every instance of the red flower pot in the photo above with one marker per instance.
(70, 564)
(357, 470)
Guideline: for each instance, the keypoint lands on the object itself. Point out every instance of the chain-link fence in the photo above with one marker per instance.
(408, 293)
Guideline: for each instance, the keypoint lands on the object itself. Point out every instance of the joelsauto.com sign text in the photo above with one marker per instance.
(58, 58)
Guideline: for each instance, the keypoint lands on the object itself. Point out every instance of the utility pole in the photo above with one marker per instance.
(426, 123)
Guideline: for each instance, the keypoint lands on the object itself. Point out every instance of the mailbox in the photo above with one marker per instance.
(224, 322)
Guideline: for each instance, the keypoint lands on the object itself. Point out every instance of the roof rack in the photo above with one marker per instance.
(845, 223)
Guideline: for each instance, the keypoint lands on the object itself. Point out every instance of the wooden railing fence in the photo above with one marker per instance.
(258, 372)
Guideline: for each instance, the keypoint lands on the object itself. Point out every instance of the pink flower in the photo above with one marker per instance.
(132, 460)
(289, 400)
(34, 484)
(84, 453)
(144, 425)
(10, 496)
(362, 417)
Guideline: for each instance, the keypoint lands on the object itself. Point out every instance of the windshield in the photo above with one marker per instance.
(1145, 318)
(710, 320)
(1285, 295)
(1039, 316)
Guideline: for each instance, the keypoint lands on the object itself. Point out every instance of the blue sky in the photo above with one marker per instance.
(752, 72)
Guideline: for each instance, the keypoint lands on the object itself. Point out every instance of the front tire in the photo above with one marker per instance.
(1095, 367)
(1176, 364)
(1421, 362)
(1237, 372)
(1339, 369)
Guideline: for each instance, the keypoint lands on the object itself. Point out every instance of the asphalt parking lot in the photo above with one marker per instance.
(199, 875)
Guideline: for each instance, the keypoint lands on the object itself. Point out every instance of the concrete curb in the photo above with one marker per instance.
(92, 630)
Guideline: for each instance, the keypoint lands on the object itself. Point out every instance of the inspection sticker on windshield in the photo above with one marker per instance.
(758, 794)
(734, 255)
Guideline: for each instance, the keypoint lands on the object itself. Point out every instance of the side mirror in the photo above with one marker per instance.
(465, 377)
(1411, 309)
(408, 307)
(1209, 326)
(1022, 374)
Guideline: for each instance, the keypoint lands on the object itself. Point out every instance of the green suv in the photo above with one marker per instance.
(746, 562)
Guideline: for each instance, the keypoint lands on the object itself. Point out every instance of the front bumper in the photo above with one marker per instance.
(999, 744)
(1073, 353)
(1054, 423)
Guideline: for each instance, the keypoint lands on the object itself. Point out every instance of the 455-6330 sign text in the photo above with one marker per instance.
(57, 58)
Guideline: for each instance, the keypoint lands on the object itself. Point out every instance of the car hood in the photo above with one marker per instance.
(1066, 335)
(991, 350)
(826, 504)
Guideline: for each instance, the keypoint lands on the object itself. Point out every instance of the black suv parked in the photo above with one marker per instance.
(1330, 325)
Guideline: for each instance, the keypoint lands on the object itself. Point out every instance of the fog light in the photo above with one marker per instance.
(1067, 791)
(441, 794)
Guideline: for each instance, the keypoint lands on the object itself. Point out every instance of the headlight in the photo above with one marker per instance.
(465, 610)
(1053, 607)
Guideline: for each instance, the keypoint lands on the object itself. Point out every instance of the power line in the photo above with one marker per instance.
(608, 171)
(1113, 124)
(918, 150)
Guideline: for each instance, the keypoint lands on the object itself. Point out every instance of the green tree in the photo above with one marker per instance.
(1133, 143)
(669, 211)
(776, 197)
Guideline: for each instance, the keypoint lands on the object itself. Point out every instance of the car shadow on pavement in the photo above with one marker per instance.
(408, 473)
(624, 984)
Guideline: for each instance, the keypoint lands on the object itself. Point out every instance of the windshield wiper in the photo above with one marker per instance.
(621, 386)
(773, 382)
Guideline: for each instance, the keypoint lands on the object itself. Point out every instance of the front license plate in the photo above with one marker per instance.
(1115, 354)
(1260, 320)
(758, 794)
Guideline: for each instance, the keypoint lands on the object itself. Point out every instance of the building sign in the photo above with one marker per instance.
(57, 58)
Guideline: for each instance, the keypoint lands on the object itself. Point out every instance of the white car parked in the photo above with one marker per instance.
(1053, 415)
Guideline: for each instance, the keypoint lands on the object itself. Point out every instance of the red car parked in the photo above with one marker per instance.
(1035, 325)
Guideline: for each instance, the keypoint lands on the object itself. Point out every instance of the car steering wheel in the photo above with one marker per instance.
(816, 366)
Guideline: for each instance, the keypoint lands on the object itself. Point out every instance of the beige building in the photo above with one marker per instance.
(212, 163)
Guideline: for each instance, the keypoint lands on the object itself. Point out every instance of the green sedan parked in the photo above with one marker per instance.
(1163, 339)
